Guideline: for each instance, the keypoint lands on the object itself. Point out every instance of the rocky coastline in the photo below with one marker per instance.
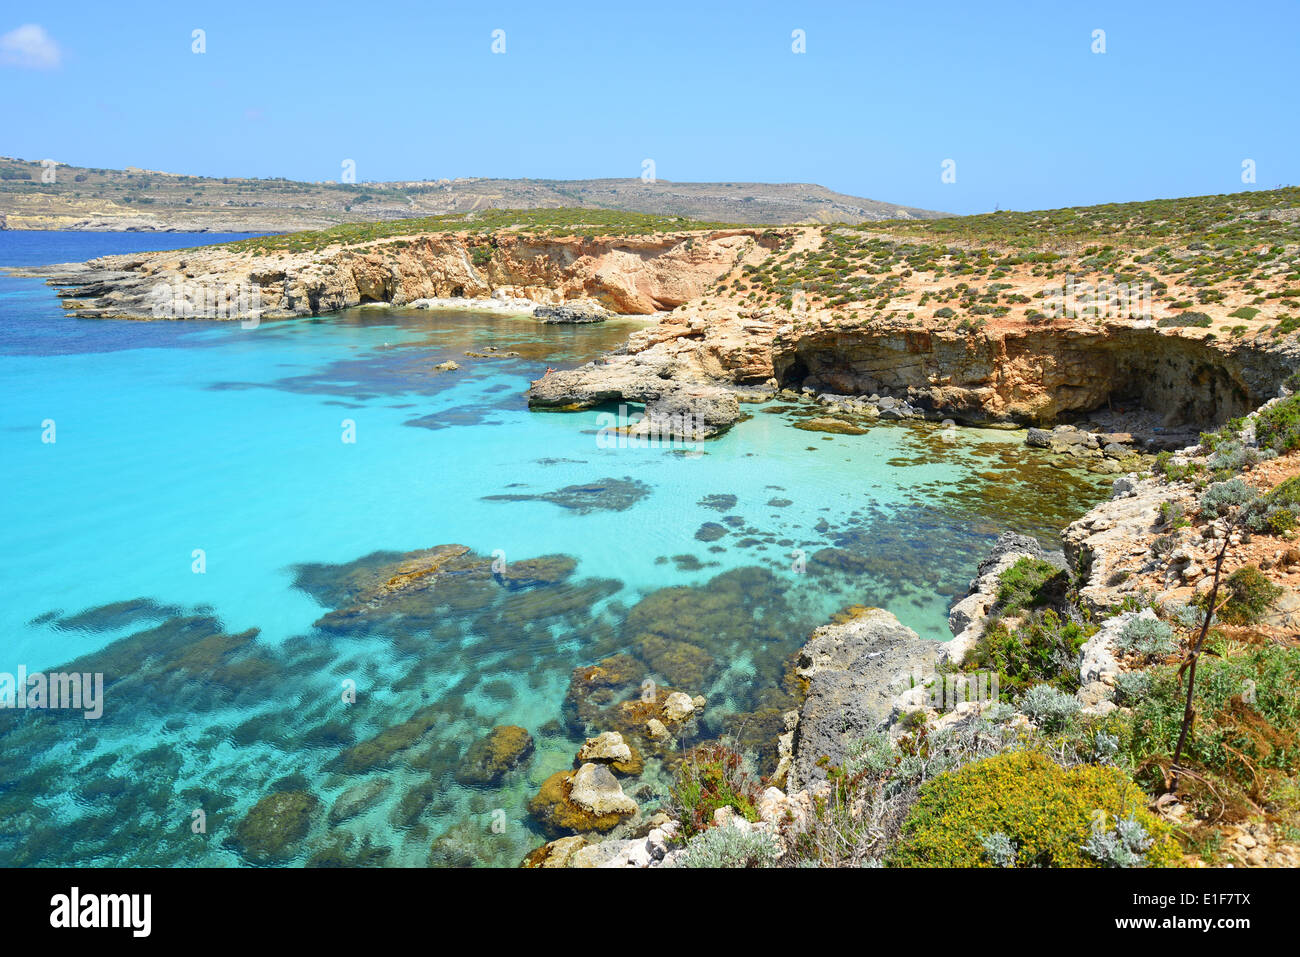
(1096, 390)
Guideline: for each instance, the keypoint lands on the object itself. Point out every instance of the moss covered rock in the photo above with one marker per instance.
(488, 759)
(680, 662)
(582, 801)
(271, 831)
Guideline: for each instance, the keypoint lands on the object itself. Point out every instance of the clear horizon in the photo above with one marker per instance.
(1031, 116)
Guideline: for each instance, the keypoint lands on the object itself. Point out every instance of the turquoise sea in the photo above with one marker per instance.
(199, 514)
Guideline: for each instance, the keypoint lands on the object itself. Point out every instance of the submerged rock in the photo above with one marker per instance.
(467, 843)
(679, 662)
(271, 831)
(826, 424)
(344, 850)
(384, 747)
(544, 570)
(710, 532)
(720, 502)
(358, 799)
(608, 494)
(501, 750)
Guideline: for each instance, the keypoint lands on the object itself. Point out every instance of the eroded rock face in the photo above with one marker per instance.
(1011, 373)
(854, 670)
(1035, 375)
(636, 275)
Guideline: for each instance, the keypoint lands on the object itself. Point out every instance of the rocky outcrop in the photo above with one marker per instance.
(636, 275)
(610, 748)
(1032, 375)
(854, 669)
(966, 618)
(572, 313)
(709, 338)
(582, 801)
(1102, 540)
(677, 405)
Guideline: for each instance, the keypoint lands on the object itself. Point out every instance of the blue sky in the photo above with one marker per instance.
(884, 94)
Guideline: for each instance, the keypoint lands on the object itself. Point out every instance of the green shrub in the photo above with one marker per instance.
(1124, 845)
(1050, 709)
(1173, 515)
(1174, 472)
(1046, 813)
(1031, 583)
(729, 847)
(1198, 319)
(1286, 325)
(1278, 426)
(1131, 687)
(999, 849)
(1244, 742)
(1042, 648)
(1146, 637)
(1278, 511)
(710, 777)
(1222, 497)
(1286, 493)
(1251, 594)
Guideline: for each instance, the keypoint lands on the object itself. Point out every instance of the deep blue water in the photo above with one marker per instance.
(177, 439)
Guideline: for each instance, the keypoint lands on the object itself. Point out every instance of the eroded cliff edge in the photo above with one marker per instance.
(977, 329)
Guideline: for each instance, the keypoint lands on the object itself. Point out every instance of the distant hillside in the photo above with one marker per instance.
(137, 199)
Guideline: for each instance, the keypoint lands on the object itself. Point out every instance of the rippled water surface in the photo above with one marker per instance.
(202, 534)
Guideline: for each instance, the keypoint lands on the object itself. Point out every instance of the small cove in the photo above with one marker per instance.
(709, 565)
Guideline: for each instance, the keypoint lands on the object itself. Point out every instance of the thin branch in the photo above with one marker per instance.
(1193, 655)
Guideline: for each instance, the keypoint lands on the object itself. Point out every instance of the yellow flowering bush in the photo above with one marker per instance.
(1047, 812)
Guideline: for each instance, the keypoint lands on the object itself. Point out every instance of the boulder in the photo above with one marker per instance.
(610, 748)
(582, 801)
(853, 669)
(678, 708)
(570, 313)
(1038, 438)
(556, 853)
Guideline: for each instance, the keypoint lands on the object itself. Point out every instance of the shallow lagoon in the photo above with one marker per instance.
(710, 564)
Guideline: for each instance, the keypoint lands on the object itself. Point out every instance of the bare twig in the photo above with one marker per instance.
(1189, 663)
